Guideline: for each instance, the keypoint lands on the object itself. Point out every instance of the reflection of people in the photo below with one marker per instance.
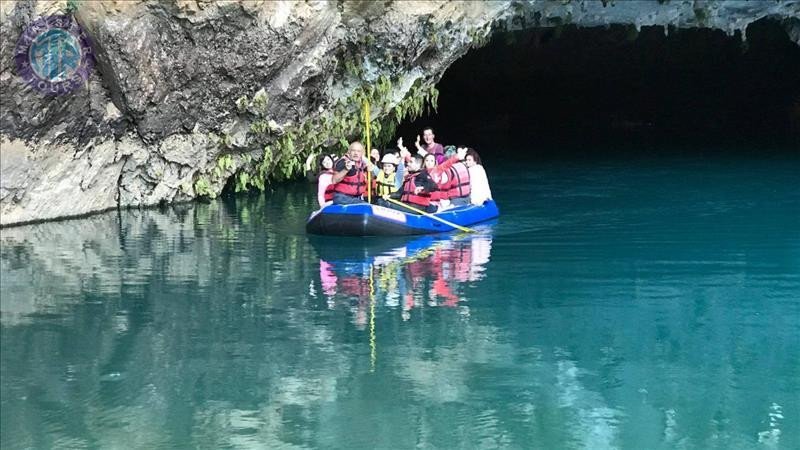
(481, 248)
(424, 272)
(327, 278)
(441, 262)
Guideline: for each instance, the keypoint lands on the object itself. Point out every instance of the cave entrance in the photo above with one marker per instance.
(558, 91)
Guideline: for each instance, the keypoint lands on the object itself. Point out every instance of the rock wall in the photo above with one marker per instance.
(168, 113)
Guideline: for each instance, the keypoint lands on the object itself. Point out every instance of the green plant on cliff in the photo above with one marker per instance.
(242, 181)
(72, 6)
(202, 188)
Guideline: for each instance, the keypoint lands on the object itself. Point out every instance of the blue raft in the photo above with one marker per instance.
(363, 219)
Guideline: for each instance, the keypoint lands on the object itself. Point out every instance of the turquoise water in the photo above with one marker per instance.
(647, 303)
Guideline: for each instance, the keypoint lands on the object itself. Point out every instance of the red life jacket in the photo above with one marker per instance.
(441, 189)
(459, 185)
(439, 194)
(353, 185)
(329, 189)
(409, 186)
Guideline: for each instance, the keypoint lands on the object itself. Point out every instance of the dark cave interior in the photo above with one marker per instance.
(578, 90)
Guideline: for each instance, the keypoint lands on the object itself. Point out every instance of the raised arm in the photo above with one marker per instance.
(399, 176)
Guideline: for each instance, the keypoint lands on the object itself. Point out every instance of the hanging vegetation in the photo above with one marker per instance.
(286, 147)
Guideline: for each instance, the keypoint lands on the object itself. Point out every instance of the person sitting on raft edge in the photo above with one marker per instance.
(349, 177)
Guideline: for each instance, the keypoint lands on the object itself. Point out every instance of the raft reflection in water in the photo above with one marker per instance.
(401, 273)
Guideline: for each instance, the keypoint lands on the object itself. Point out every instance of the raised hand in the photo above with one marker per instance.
(462, 153)
(417, 143)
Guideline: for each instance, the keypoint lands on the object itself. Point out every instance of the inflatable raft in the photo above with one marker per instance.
(363, 219)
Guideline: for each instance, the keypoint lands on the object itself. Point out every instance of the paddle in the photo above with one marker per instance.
(431, 216)
(368, 152)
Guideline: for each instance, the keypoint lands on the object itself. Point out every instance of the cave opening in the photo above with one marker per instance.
(587, 91)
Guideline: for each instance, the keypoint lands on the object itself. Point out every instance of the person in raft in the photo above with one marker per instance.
(417, 188)
(325, 181)
(390, 179)
(459, 187)
(431, 146)
(349, 176)
(429, 164)
(480, 191)
(452, 178)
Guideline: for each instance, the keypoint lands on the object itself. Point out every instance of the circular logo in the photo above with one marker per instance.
(54, 55)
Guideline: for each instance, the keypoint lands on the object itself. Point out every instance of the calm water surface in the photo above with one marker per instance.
(642, 304)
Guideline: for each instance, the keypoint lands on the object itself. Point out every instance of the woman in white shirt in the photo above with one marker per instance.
(325, 182)
(479, 183)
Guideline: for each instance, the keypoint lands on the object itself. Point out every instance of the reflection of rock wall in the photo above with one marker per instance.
(169, 74)
(42, 265)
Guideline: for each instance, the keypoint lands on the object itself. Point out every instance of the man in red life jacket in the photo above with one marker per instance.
(349, 177)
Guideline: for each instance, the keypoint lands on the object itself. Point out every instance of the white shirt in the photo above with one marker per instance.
(479, 185)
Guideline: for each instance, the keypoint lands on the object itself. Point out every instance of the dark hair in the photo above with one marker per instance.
(471, 152)
(419, 159)
(428, 128)
(322, 157)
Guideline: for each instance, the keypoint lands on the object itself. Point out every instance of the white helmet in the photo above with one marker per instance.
(389, 158)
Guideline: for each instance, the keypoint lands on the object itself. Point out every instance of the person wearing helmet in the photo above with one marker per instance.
(389, 178)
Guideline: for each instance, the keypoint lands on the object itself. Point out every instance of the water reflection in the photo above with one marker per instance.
(401, 274)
